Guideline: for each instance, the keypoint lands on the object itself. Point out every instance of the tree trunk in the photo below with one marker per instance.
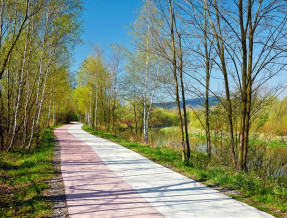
(54, 115)
(39, 81)
(42, 98)
(207, 79)
(207, 126)
(183, 95)
(1, 22)
(93, 109)
(114, 98)
(49, 112)
(220, 47)
(29, 93)
(3, 67)
(249, 91)
(182, 89)
(1, 125)
(183, 153)
(246, 84)
(135, 114)
(86, 114)
(19, 93)
(145, 121)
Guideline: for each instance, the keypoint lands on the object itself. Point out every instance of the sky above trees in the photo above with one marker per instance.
(105, 22)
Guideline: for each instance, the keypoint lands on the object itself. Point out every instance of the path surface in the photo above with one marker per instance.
(103, 179)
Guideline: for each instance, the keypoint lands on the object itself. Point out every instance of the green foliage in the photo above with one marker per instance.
(35, 82)
(23, 179)
(163, 117)
(193, 116)
(94, 96)
(269, 126)
(273, 119)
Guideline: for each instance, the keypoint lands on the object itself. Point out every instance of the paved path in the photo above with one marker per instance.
(103, 179)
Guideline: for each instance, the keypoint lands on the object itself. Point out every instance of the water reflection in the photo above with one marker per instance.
(261, 159)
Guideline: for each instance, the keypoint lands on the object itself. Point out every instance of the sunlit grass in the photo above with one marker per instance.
(23, 179)
(174, 130)
(269, 195)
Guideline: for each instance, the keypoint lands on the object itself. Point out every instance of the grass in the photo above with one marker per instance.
(269, 195)
(23, 179)
(200, 135)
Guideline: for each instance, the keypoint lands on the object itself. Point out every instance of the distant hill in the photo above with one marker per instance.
(195, 102)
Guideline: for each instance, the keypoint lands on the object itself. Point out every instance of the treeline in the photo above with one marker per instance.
(35, 86)
(270, 125)
(230, 50)
(95, 95)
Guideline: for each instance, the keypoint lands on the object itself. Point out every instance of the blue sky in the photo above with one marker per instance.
(105, 22)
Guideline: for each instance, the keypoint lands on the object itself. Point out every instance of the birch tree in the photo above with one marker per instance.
(35, 36)
(143, 29)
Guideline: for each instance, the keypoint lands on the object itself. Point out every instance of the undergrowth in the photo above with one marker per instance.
(23, 179)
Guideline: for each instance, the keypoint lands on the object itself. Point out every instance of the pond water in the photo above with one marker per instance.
(271, 161)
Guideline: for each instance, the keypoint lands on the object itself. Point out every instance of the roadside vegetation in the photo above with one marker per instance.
(36, 38)
(24, 177)
(35, 79)
(267, 194)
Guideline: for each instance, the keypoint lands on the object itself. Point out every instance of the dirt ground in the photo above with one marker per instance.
(56, 193)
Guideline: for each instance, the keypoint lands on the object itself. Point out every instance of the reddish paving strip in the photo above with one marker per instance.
(92, 189)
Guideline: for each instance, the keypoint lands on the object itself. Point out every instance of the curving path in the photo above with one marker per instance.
(104, 179)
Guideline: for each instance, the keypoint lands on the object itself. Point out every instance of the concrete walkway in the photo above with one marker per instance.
(103, 179)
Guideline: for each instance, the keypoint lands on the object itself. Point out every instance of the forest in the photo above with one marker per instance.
(36, 44)
(231, 51)
(36, 38)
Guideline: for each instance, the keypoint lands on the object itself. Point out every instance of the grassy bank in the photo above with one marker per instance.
(201, 135)
(269, 194)
(23, 179)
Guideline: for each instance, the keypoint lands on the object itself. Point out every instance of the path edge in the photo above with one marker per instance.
(56, 185)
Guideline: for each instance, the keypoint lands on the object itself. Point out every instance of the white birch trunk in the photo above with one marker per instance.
(19, 94)
(90, 113)
(152, 96)
(29, 90)
(42, 99)
(54, 123)
(49, 112)
(39, 80)
(86, 114)
(145, 123)
(96, 109)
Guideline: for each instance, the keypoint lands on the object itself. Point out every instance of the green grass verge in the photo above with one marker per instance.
(269, 195)
(23, 179)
